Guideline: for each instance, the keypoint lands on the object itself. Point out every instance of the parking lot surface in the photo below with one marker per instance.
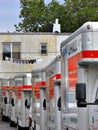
(5, 126)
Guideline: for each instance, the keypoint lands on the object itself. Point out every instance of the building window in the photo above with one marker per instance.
(43, 48)
(11, 50)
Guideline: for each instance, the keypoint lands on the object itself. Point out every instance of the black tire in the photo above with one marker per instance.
(2, 118)
(11, 123)
(15, 124)
(34, 125)
(18, 127)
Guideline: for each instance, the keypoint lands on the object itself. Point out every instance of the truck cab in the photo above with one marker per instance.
(79, 67)
(53, 94)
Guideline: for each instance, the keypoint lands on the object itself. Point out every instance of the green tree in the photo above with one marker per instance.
(36, 16)
(32, 15)
(79, 12)
(54, 10)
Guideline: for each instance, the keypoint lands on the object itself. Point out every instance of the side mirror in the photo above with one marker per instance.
(96, 101)
(5, 100)
(27, 104)
(81, 91)
(59, 103)
(12, 102)
(81, 94)
(44, 104)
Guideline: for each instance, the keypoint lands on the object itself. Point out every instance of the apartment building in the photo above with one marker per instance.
(15, 48)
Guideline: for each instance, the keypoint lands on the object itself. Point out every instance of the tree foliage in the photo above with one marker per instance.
(79, 12)
(32, 15)
(36, 15)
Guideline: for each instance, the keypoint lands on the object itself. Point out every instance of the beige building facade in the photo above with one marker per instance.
(17, 47)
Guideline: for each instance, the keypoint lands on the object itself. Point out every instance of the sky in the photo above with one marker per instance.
(9, 14)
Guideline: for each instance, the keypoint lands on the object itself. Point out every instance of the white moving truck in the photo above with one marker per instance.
(79, 69)
(38, 82)
(53, 94)
(6, 99)
(23, 106)
(47, 96)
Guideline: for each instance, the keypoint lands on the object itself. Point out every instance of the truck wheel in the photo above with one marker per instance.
(18, 127)
(11, 123)
(2, 118)
(34, 125)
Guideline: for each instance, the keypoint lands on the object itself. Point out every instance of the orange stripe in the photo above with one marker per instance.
(38, 85)
(90, 54)
(14, 88)
(19, 87)
(43, 83)
(72, 65)
(27, 87)
(6, 87)
(22, 87)
(72, 70)
(11, 87)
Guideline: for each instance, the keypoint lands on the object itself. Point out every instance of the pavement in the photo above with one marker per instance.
(5, 126)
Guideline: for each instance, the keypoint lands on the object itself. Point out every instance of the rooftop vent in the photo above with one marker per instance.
(56, 27)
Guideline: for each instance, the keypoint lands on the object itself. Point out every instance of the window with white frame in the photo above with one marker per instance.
(11, 50)
(43, 48)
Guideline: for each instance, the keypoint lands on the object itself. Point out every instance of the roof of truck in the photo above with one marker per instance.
(86, 27)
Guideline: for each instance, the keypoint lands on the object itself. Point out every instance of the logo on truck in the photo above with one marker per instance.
(72, 48)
